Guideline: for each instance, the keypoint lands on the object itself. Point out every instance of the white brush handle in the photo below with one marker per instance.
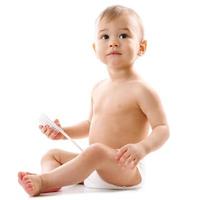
(44, 120)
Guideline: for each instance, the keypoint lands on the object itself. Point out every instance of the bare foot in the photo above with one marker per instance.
(31, 183)
(22, 176)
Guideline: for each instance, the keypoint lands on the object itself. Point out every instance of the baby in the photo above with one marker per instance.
(122, 109)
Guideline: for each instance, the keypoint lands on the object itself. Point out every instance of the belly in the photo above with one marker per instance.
(116, 132)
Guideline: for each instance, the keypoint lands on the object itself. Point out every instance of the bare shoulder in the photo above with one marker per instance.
(150, 103)
(96, 86)
(144, 90)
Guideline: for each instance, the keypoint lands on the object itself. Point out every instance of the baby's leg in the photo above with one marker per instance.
(55, 158)
(97, 157)
(51, 160)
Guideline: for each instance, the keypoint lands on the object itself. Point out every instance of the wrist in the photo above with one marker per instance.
(144, 148)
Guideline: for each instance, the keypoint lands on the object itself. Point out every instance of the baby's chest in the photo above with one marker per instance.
(117, 102)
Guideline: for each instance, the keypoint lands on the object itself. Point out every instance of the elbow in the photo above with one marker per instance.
(167, 132)
(164, 130)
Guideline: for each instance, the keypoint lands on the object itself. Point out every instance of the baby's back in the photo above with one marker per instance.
(117, 118)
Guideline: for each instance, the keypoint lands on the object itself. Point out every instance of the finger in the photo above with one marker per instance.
(49, 134)
(48, 131)
(120, 153)
(57, 137)
(53, 134)
(40, 127)
(128, 160)
(57, 122)
(124, 157)
(132, 165)
(135, 160)
(44, 129)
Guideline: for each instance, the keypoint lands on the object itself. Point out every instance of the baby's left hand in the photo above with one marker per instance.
(129, 155)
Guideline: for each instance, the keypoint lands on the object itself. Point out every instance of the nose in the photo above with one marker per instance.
(113, 43)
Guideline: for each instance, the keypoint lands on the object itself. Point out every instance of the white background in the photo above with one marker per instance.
(47, 65)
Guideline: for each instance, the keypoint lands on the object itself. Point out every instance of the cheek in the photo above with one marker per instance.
(130, 53)
(134, 49)
(100, 51)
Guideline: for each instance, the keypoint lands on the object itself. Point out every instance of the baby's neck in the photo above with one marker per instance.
(120, 75)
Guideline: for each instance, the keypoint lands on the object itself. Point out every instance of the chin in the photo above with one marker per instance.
(115, 64)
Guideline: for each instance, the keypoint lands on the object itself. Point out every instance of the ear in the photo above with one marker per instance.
(94, 47)
(143, 47)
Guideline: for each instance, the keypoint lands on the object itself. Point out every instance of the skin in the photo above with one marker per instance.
(122, 110)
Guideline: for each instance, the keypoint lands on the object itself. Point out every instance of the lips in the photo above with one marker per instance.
(114, 53)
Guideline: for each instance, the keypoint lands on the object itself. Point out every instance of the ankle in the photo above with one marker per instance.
(47, 185)
(44, 182)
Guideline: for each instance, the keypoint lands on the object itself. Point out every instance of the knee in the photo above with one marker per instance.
(50, 155)
(96, 151)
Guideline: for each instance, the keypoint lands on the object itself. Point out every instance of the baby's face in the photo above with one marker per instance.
(118, 41)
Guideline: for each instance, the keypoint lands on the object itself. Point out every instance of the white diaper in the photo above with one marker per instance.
(95, 181)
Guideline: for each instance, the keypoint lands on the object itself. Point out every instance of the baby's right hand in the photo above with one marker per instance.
(50, 132)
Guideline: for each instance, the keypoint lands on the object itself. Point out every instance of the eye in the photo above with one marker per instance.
(105, 37)
(123, 36)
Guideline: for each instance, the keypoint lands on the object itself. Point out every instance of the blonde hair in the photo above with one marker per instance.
(113, 12)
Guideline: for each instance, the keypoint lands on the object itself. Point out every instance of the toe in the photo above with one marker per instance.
(21, 176)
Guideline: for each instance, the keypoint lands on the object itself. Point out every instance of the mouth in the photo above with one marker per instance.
(113, 53)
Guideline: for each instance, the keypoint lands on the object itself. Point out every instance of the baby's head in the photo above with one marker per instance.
(113, 12)
(119, 32)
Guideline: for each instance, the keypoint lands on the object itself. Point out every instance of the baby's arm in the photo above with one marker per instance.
(150, 104)
(79, 130)
(76, 131)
